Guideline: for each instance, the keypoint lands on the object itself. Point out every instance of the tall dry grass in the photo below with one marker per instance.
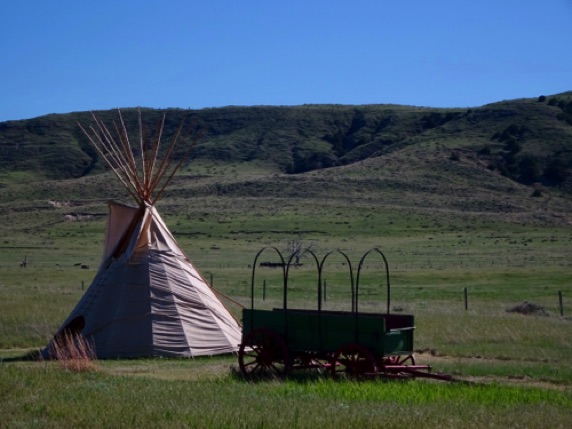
(73, 352)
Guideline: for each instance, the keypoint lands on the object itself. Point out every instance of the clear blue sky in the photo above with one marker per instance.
(77, 55)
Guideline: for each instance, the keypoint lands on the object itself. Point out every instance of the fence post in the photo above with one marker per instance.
(212, 280)
(466, 300)
(561, 304)
(82, 287)
(264, 290)
(325, 290)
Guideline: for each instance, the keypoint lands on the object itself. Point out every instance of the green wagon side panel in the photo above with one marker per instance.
(328, 331)
(303, 328)
(398, 342)
(303, 331)
(345, 329)
(255, 319)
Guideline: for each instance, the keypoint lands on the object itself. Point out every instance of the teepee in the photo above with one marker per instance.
(147, 298)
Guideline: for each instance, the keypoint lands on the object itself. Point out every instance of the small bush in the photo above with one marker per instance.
(485, 151)
(555, 171)
(536, 193)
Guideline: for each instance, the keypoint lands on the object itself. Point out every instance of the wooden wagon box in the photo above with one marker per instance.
(327, 331)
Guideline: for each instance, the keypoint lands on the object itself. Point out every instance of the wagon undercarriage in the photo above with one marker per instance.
(265, 354)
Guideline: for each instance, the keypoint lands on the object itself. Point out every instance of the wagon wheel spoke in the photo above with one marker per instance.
(390, 360)
(263, 352)
(405, 360)
(246, 364)
(276, 368)
(352, 361)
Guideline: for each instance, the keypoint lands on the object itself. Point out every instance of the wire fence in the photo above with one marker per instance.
(529, 299)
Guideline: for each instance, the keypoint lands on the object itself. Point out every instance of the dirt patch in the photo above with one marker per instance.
(528, 309)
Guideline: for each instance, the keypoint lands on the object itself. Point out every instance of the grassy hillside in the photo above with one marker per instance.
(528, 140)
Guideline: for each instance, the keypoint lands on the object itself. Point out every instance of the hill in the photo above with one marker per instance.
(511, 159)
(527, 140)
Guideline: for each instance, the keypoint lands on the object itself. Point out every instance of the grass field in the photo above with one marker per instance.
(515, 370)
(205, 393)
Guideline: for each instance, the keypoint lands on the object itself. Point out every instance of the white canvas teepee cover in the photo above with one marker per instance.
(147, 298)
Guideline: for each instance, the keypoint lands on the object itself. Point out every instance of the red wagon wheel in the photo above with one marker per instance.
(263, 353)
(353, 361)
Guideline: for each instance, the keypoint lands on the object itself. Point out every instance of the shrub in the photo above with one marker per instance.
(486, 150)
(529, 171)
(555, 171)
(537, 193)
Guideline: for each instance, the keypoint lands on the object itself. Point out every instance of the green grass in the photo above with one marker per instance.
(42, 395)
(493, 334)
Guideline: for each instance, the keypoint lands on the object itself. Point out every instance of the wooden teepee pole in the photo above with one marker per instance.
(111, 160)
(146, 182)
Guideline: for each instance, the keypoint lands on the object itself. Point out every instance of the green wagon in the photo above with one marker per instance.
(344, 343)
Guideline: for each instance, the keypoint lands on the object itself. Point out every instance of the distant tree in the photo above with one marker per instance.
(566, 114)
(307, 160)
(297, 246)
(432, 120)
(555, 171)
(485, 151)
(514, 130)
(542, 98)
(536, 193)
(508, 166)
(529, 171)
(512, 145)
